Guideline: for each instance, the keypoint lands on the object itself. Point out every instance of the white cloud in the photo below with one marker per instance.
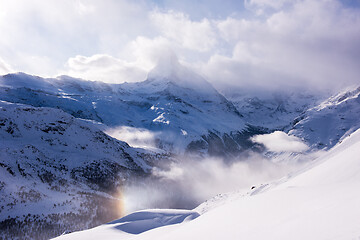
(4, 67)
(295, 43)
(105, 68)
(309, 43)
(58, 30)
(274, 4)
(182, 184)
(135, 137)
(233, 29)
(281, 142)
(85, 8)
(144, 53)
(177, 26)
(147, 51)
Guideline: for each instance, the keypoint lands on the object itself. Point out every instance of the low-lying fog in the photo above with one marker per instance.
(189, 181)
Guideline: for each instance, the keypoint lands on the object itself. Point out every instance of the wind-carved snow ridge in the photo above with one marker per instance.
(136, 223)
(143, 221)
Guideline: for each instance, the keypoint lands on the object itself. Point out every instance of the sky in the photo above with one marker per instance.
(250, 43)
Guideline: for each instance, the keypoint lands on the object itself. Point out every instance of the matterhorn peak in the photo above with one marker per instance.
(169, 69)
(167, 66)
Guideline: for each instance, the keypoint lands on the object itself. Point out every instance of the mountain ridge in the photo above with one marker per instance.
(46, 121)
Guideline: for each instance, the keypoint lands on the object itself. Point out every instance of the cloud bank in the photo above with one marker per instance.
(104, 68)
(135, 137)
(255, 43)
(189, 182)
(281, 142)
(4, 67)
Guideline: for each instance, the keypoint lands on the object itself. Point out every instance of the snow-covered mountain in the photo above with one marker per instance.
(318, 202)
(57, 164)
(319, 120)
(274, 110)
(59, 172)
(185, 113)
(326, 124)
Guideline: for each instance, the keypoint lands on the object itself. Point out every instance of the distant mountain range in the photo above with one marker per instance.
(58, 163)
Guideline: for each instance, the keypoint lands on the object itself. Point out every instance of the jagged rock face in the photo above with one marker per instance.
(59, 173)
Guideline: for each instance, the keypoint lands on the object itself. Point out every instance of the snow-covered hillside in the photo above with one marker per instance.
(58, 172)
(61, 169)
(326, 124)
(318, 202)
(182, 112)
(321, 121)
(274, 110)
(181, 109)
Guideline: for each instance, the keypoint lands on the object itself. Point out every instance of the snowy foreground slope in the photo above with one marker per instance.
(319, 202)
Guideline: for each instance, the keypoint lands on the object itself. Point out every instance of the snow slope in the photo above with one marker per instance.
(326, 124)
(135, 223)
(319, 202)
(58, 172)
